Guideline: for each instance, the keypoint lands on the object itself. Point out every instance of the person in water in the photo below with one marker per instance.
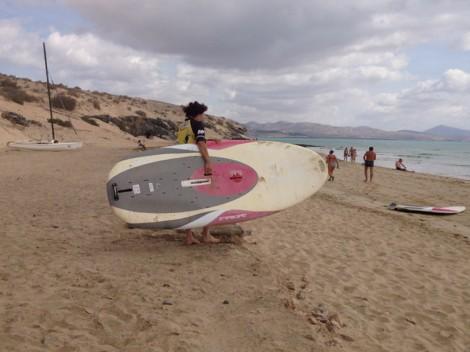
(346, 154)
(194, 111)
(399, 165)
(332, 163)
(369, 158)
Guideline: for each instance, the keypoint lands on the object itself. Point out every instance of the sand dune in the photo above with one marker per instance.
(338, 272)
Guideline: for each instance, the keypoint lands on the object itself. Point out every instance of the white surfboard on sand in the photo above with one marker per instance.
(167, 188)
(427, 210)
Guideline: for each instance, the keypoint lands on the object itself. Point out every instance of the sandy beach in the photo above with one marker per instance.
(338, 272)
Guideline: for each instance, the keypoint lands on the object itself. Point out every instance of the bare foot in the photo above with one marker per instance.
(190, 239)
(208, 238)
(189, 242)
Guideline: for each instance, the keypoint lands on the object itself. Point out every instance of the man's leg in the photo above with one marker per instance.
(190, 239)
(207, 237)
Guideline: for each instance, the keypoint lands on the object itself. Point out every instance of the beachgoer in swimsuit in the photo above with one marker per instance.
(346, 154)
(399, 165)
(369, 158)
(332, 163)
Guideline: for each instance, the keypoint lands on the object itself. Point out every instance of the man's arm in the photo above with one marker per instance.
(205, 156)
(203, 150)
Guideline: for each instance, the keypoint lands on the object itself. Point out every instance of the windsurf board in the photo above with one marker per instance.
(167, 188)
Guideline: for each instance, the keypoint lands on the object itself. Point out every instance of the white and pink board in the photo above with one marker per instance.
(167, 188)
(427, 209)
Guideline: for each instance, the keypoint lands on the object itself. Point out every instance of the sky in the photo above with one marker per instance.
(401, 64)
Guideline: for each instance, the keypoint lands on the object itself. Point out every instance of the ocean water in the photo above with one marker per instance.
(432, 157)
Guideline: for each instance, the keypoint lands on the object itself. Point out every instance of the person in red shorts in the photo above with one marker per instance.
(332, 163)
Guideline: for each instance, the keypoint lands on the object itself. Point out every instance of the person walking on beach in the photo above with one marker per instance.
(195, 113)
(346, 154)
(369, 158)
(332, 163)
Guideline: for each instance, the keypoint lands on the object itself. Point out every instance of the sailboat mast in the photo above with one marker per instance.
(48, 91)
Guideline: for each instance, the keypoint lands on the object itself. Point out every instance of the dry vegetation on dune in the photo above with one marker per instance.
(63, 101)
(18, 119)
(10, 90)
(24, 104)
(137, 125)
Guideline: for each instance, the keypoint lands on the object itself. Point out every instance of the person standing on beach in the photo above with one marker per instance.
(346, 154)
(353, 154)
(332, 163)
(195, 113)
(369, 158)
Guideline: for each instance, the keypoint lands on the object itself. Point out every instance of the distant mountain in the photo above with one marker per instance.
(449, 132)
(316, 130)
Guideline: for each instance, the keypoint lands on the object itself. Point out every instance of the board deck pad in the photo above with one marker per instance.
(167, 188)
(158, 187)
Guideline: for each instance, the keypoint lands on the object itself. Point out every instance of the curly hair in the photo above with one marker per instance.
(193, 109)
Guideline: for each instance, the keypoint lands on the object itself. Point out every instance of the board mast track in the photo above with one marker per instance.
(117, 191)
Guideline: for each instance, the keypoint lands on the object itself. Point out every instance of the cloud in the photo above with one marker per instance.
(235, 34)
(17, 45)
(87, 58)
(272, 34)
(309, 60)
(426, 104)
(80, 59)
(457, 80)
(466, 42)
